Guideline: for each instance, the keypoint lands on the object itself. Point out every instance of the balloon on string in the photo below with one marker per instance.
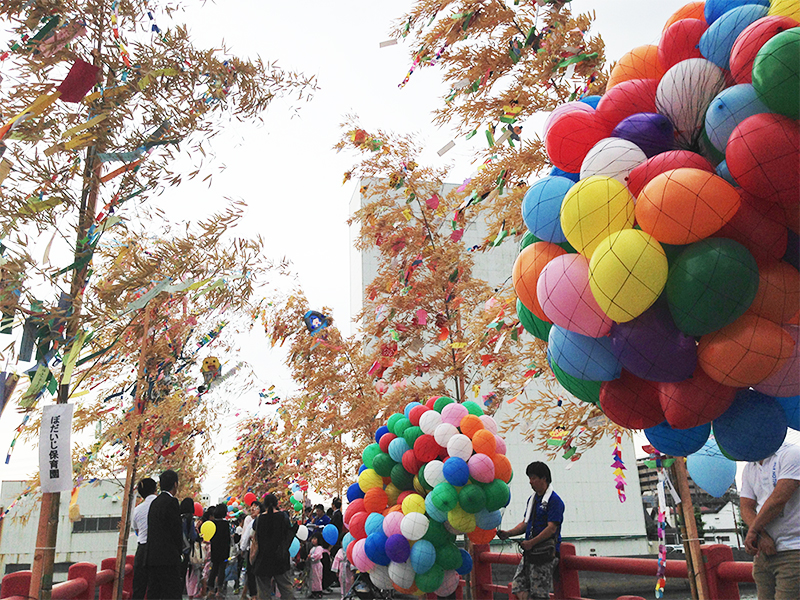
(776, 73)
(379, 576)
(762, 155)
(423, 556)
(431, 580)
(751, 40)
(684, 94)
(466, 562)
(429, 421)
(456, 471)
(498, 495)
(207, 530)
(461, 520)
(383, 464)
(582, 389)
(711, 284)
(434, 513)
(488, 519)
(679, 42)
(360, 558)
(330, 533)
(631, 402)
(444, 496)
(611, 157)
(677, 442)
(375, 548)
(639, 63)
(541, 205)
(731, 106)
(562, 109)
(717, 42)
(198, 509)
(453, 413)
(473, 408)
(469, 426)
(415, 414)
(449, 585)
(294, 547)
(666, 161)
(570, 135)
(459, 445)
(490, 425)
(651, 132)
(532, 324)
(581, 356)
(752, 428)
(710, 470)
(401, 573)
(525, 274)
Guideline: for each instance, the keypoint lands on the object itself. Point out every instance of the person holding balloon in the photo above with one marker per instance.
(541, 525)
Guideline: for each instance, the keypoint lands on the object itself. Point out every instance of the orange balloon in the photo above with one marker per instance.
(685, 205)
(502, 467)
(482, 536)
(469, 425)
(484, 442)
(640, 63)
(410, 591)
(692, 10)
(778, 295)
(375, 500)
(745, 352)
(525, 275)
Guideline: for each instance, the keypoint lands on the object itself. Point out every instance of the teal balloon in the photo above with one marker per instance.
(369, 454)
(711, 470)
(582, 389)
(294, 547)
(711, 284)
(776, 73)
(533, 324)
(717, 41)
(423, 556)
(731, 106)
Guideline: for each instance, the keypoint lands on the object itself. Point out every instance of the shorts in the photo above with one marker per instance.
(537, 580)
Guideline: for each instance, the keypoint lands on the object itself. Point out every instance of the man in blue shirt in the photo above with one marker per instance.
(541, 525)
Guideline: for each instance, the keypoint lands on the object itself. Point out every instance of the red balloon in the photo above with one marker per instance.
(762, 156)
(750, 41)
(356, 506)
(350, 552)
(623, 100)
(666, 161)
(631, 402)
(426, 448)
(694, 401)
(679, 42)
(758, 226)
(410, 462)
(431, 401)
(249, 498)
(403, 496)
(356, 525)
(570, 137)
(385, 440)
(415, 413)
(198, 509)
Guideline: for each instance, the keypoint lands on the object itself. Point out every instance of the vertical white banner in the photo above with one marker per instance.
(55, 458)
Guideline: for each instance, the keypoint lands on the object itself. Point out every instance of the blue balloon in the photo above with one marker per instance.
(330, 533)
(724, 172)
(731, 106)
(409, 406)
(752, 428)
(398, 447)
(361, 468)
(711, 470)
(423, 556)
(456, 471)
(714, 9)
(541, 208)
(354, 492)
(434, 513)
(678, 442)
(791, 406)
(466, 563)
(381, 430)
(488, 519)
(582, 356)
(347, 540)
(592, 101)
(717, 42)
(373, 523)
(375, 548)
(556, 172)
(294, 547)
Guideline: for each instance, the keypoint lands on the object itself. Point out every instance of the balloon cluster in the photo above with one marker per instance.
(661, 262)
(435, 471)
(296, 491)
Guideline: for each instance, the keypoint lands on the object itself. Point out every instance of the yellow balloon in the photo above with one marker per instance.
(207, 530)
(461, 519)
(627, 273)
(413, 503)
(369, 479)
(786, 8)
(594, 208)
(418, 487)
(393, 492)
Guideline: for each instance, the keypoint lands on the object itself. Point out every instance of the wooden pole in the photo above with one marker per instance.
(130, 476)
(697, 569)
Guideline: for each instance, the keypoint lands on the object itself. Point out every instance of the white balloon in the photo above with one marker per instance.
(429, 420)
(302, 533)
(612, 157)
(379, 575)
(443, 433)
(413, 526)
(298, 495)
(489, 423)
(402, 574)
(683, 95)
(460, 446)
(433, 473)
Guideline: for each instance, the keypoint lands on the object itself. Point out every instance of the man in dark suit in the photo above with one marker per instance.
(164, 542)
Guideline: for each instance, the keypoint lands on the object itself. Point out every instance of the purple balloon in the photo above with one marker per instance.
(397, 548)
(652, 132)
(653, 348)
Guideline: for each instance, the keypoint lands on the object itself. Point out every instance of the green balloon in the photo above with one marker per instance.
(369, 453)
(401, 425)
(402, 479)
(472, 498)
(711, 284)
(430, 581)
(411, 434)
(497, 495)
(529, 238)
(473, 408)
(533, 324)
(441, 402)
(448, 557)
(383, 464)
(393, 421)
(582, 389)
(437, 534)
(444, 497)
(423, 482)
(776, 73)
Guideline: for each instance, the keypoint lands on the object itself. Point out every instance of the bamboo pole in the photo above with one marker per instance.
(130, 476)
(697, 566)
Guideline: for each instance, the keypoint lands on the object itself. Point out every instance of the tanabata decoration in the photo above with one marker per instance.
(315, 321)
(673, 304)
(414, 504)
(210, 368)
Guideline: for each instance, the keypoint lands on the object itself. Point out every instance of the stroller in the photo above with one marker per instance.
(364, 589)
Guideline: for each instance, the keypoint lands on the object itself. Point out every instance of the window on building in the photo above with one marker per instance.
(96, 524)
(723, 538)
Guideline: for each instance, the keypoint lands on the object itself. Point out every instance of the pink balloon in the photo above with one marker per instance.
(360, 559)
(501, 444)
(489, 423)
(453, 413)
(391, 523)
(564, 293)
(449, 584)
(785, 382)
(481, 468)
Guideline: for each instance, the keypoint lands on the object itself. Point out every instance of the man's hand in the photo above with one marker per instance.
(502, 534)
(766, 545)
(527, 544)
(751, 542)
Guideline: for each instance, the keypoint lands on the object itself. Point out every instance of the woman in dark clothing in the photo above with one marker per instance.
(189, 534)
(274, 533)
(220, 550)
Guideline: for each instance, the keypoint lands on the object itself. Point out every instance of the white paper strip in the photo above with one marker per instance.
(55, 458)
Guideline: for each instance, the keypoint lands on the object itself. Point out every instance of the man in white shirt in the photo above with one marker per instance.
(147, 490)
(770, 506)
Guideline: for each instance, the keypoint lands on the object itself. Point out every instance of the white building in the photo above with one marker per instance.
(90, 539)
(721, 525)
(595, 520)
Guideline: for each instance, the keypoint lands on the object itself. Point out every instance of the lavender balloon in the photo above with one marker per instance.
(652, 132)
(653, 348)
